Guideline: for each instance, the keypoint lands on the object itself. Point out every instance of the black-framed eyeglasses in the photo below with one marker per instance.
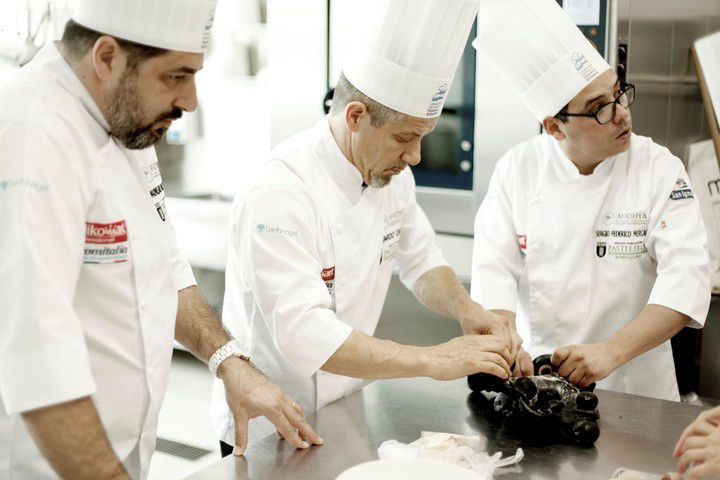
(606, 112)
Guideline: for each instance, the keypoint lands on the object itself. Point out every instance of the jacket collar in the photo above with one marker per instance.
(50, 57)
(342, 172)
(570, 171)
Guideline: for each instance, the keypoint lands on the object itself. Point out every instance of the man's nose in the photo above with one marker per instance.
(621, 113)
(187, 99)
(411, 156)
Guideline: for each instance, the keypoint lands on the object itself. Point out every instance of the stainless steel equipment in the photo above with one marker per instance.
(657, 36)
(635, 432)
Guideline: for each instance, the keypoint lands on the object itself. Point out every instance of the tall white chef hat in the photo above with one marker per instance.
(541, 53)
(182, 25)
(408, 50)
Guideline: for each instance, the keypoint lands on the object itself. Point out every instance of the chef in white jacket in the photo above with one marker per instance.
(315, 241)
(92, 288)
(589, 236)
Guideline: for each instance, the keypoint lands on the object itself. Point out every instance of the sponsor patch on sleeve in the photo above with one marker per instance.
(681, 190)
(106, 242)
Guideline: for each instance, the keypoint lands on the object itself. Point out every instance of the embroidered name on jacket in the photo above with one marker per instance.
(106, 242)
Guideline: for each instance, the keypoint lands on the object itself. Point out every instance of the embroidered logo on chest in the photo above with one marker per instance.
(106, 242)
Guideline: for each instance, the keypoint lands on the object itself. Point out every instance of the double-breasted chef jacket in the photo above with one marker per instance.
(578, 257)
(312, 251)
(89, 269)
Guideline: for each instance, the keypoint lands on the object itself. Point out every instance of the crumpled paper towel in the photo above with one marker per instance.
(466, 451)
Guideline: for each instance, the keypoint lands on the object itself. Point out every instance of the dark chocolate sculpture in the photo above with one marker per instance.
(545, 404)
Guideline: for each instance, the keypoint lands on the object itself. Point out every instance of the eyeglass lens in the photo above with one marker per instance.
(606, 113)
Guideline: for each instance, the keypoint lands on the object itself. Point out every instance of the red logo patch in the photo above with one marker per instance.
(106, 233)
(328, 274)
(522, 241)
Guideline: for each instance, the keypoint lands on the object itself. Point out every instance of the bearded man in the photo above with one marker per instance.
(93, 288)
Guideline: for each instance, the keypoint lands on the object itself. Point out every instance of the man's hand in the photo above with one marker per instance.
(250, 394)
(700, 443)
(699, 447)
(463, 356)
(523, 365)
(703, 425)
(477, 320)
(585, 364)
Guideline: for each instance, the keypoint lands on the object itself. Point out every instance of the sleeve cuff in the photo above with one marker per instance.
(693, 299)
(313, 347)
(432, 259)
(182, 274)
(38, 379)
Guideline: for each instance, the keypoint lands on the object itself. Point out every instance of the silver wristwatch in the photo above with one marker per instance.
(230, 349)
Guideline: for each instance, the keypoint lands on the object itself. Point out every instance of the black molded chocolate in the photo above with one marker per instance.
(542, 408)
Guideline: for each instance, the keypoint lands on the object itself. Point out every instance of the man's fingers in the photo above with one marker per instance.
(695, 442)
(698, 428)
(567, 367)
(298, 408)
(686, 433)
(687, 457)
(576, 376)
(494, 344)
(305, 430)
(700, 471)
(560, 355)
(499, 361)
(287, 431)
(526, 364)
(495, 369)
(241, 435)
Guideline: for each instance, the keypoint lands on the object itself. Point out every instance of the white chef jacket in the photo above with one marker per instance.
(577, 257)
(89, 269)
(311, 256)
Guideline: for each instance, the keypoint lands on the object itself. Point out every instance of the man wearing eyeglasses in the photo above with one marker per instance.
(589, 236)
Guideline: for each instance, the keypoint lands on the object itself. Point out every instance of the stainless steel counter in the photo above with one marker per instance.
(635, 432)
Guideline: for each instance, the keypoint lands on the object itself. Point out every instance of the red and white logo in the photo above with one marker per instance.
(522, 241)
(328, 274)
(105, 233)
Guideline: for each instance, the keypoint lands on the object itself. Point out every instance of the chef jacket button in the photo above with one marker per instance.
(339, 227)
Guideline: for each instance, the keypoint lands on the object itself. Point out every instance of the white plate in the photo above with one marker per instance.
(407, 468)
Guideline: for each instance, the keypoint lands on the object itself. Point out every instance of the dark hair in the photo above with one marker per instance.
(346, 92)
(77, 40)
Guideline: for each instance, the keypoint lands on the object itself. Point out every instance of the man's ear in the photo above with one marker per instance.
(553, 126)
(354, 112)
(108, 58)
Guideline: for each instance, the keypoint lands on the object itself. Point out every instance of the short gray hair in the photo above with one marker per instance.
(345, 93)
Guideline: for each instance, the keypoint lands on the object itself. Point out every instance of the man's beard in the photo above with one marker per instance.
(378, 181)
(126, 114)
